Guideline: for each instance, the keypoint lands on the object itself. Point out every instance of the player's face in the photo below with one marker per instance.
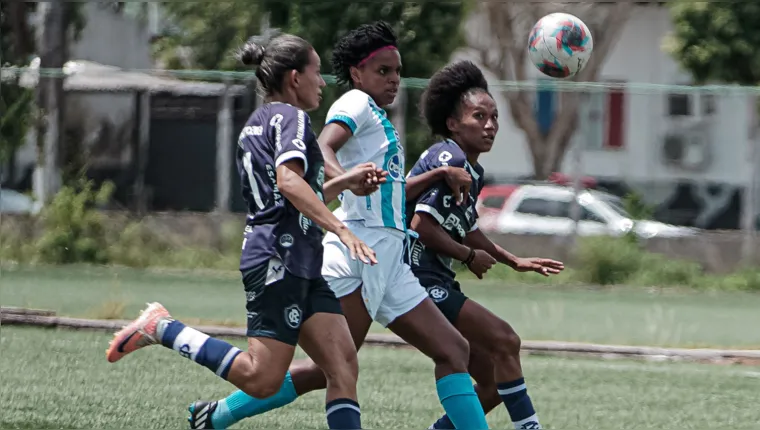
(309, 84)
(380, 76)
(478, 123)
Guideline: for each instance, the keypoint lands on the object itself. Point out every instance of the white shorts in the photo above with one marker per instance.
(389, 288)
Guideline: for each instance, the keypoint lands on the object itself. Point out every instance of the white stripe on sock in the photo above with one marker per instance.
(528, 423)
(189, 342)
(508, 391)
(343, 406)
(226, 361)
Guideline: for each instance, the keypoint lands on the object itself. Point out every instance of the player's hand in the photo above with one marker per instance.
(356, 247)
(481, 263)
(543, 266)
(365, 179)
(459, 180)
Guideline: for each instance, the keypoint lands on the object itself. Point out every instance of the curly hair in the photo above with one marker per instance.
(445, 92)
(357, 45)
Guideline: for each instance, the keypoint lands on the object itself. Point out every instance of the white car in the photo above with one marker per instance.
(546, 209)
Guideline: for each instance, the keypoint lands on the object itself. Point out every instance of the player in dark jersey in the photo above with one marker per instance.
(458, 107)
(288, 301)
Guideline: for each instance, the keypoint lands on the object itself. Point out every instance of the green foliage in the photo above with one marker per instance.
(634, 204)
(429, 32)
(717, 40)
(615, 261)
(74, 231)
(607, 261)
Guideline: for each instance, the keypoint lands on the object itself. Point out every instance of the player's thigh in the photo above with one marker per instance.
(402, 294)
(447, 296)
(486, 331)
(342, 273)
(325, 334)
(425, 328)
(272, 293)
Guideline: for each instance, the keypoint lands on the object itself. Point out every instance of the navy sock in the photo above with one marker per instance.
(444, 423)
(515, 397)
(214, 354)
(343, 414)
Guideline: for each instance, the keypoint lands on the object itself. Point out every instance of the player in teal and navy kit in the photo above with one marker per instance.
(358, 131)
(458, 107)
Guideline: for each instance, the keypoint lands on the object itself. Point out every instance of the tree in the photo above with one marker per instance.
(501, 47)
(17, 47)
(717, 40)
(429, 32)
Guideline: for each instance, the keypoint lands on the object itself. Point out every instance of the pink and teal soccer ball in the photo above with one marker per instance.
(560, 45)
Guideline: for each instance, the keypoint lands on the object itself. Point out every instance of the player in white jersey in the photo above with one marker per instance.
(358, 130)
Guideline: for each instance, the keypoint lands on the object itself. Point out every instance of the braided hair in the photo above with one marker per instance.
(357, 45)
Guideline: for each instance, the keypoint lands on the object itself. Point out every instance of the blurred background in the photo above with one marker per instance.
(118, 186)
(147, 99)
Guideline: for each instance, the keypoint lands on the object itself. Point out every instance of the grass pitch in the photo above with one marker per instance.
(629, 316)
(60, 379)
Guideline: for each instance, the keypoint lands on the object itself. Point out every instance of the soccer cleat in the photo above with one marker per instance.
(200, 414)
(138, 334)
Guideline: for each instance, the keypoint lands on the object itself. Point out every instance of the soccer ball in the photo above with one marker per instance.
(560, 45)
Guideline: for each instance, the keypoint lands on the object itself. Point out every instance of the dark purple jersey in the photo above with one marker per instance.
(274, 134)
(438, 202)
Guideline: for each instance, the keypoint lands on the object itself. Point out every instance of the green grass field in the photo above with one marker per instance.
(631, 316)
(60, 379)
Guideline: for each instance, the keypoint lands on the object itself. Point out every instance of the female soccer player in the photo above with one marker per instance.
(357, 130)
(288, 301)
(458, 107)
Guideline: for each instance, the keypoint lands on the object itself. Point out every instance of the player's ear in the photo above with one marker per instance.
(452, 124)
(355, 75)
(293, 76)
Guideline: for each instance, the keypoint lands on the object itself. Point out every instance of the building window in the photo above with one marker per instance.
(605, 119)
(681, 105)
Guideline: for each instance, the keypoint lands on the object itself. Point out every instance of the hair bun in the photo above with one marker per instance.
(252, 53)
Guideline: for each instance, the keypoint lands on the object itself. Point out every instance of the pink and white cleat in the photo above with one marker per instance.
(138, 334)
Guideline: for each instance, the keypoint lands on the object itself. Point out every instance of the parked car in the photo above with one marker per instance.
(13, 202)
(546, 209)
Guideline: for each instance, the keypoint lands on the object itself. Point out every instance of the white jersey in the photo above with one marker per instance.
(374, 140)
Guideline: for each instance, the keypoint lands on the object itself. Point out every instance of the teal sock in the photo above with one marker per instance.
(238, 405)
(460, 402)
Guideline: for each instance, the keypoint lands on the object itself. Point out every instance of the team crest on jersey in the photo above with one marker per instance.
(286, 240)
(445, 157)
(293, 316)
(437, 294)
(394, 167)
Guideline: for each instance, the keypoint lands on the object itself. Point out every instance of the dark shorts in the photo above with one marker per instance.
(278, 302)
(447, 295)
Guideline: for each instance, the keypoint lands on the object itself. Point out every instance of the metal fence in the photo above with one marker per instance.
(166, 138)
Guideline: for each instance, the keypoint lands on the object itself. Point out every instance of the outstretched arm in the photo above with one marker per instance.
(477, 240)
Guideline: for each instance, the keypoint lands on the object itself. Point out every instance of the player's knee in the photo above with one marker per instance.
(261, 384)
(343, 371)
(504, 344)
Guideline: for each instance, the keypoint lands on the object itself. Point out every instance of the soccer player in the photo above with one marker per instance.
(288, 301)
(458, 107)
(358, 130)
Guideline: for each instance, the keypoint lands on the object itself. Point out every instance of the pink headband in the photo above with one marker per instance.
(375, 52)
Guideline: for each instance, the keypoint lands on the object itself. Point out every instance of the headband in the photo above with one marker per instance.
(375, 52)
